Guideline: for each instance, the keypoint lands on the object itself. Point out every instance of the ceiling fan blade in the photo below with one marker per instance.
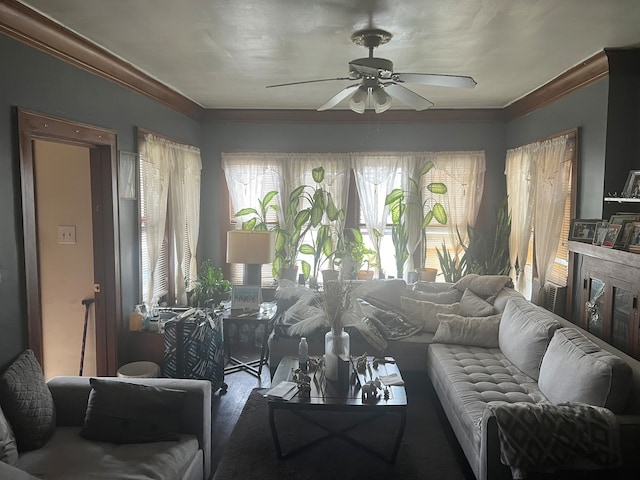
(338, 97)
(458, 81)
(407, 97)
(308, 81)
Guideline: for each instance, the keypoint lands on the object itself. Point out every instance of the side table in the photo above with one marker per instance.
(261, 317)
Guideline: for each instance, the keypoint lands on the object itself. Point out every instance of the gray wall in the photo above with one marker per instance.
(308, 137)
(587, 110)
(36, 81)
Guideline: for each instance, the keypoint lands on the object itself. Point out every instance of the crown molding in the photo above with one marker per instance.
(27, 26)
(347, 116)
(583, 74)
(19, 22)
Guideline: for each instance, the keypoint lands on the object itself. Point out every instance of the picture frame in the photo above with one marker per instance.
(601, 232)
(632, 185)
(583, 230)
(625, 231)
(633, 242)
(612, 235)
(246, 297)
(620, 217)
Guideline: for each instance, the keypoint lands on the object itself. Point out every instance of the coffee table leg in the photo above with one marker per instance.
(396, 448)
(274, 432)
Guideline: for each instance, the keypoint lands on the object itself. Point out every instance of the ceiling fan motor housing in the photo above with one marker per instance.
(371, 66)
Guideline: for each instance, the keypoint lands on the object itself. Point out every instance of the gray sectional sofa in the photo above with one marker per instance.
(517, 353)
(69, 455)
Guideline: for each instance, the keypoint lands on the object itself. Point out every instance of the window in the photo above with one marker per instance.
(251, 175)
(540, 179)
(169, 218)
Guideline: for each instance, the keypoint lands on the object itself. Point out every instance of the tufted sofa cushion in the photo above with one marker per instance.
(471, 377)
(525, 333)
(575, 369)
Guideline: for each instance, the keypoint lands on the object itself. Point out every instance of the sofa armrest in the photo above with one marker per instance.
(70, 395)
(490, 465)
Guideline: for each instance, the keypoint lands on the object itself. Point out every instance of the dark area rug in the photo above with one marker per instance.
(428, 450)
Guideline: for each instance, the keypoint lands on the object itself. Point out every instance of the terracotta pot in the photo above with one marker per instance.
(329, 275)
(427, 274)
(290, 273)
(365, 275)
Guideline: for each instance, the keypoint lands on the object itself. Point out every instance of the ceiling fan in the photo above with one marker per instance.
(380, 82)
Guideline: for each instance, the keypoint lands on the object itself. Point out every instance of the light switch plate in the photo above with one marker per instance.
(67, 234)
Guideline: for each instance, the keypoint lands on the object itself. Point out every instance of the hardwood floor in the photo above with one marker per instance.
(226, 409)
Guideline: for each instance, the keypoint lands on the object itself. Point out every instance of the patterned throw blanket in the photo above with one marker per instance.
(541, 436)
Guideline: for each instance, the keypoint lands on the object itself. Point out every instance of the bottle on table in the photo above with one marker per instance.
(303, 354)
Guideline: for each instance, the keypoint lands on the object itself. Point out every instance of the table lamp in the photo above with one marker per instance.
(253, 248)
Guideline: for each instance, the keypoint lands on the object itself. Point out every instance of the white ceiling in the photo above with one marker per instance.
(222, 53)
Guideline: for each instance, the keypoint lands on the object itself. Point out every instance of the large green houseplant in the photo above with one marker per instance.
(414, 205)
(259, 219)
(210, 288)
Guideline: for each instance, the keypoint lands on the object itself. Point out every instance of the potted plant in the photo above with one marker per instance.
(210, 288)
(355, 255)
(410, 205)
(259, 219)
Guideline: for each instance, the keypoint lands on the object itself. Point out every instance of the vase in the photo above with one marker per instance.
(335, 344)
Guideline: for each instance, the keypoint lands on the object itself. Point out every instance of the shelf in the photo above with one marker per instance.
(622, 200)
(611, 254)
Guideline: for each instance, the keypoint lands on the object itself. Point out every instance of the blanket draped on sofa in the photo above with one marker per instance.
(541, 436)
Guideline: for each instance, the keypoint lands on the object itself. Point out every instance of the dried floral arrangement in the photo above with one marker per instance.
(336, 303)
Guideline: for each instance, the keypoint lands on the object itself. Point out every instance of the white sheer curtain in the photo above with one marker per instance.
(463, 174)
(249, 178)
(155, 168)
(375, 178)
(553, 170)
(169, 166)
(521, 199)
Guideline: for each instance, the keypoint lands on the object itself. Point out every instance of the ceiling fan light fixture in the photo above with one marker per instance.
(358, 101)
(381, 99)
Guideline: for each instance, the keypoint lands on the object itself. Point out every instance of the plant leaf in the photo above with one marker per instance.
(268, 197)
(246, 211)
(439, 213)
(307, 249)
(425, 168)
(318, 174)
(427, 219)
(306, 269)
(437, 187)
(396, 195)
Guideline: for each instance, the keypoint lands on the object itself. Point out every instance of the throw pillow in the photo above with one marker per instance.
(484, 285)
(383, 294)
(121, 412)
(8, 449)
(27, 402)
(473, 331)
(447, 296)
(574, 369)
(425, 313)
(472, 305)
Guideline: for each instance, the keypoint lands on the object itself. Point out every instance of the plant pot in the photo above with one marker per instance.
(427, 274)
(329, 275)
(365, 275)
(289, 273)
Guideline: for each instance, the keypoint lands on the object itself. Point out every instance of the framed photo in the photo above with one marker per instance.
(633, 242)
(601, 232)
(612, 235)
(632, 187)
(583, 230)
(620, 217)
(625, 231)
(246, 297)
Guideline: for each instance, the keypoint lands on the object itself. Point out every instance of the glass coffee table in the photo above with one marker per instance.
(326, 397)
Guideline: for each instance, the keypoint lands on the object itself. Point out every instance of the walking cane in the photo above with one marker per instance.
(87, 304)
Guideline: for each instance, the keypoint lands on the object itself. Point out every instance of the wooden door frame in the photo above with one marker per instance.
(101, 143)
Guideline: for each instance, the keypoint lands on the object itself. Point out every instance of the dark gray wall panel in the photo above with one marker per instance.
(34, 80)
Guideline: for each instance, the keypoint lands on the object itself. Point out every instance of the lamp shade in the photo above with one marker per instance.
(249, 246)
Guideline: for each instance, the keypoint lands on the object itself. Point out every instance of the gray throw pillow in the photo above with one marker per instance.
(8, 448)
(122, 412)
(484, 285)
(473, 331)
(425, 313)
(471, 305)
(27, 402)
